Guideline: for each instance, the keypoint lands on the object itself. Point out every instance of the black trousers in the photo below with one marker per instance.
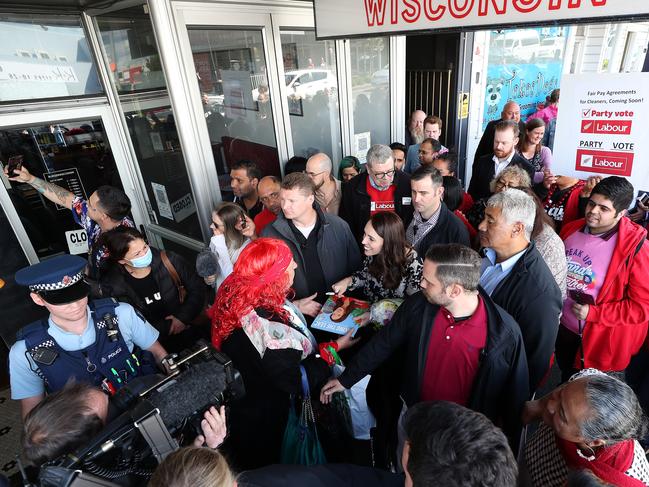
(566, 349)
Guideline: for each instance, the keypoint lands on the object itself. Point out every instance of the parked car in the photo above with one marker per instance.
(551, 47)
(305, 83)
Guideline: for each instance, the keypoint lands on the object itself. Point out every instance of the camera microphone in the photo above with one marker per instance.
(206, 264)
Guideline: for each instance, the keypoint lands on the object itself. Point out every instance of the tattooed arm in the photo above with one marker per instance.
(52, 192)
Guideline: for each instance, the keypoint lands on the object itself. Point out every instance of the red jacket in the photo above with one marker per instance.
(616, 325)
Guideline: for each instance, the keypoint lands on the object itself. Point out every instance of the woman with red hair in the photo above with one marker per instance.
(267, 338)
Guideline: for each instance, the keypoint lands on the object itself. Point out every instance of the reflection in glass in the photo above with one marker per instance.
(525, 65)
(130, 49)
(310, 68)
(17, 307)
(370, 62)
(231, 74)
(45, 58)
(152, 127)
(75, 155)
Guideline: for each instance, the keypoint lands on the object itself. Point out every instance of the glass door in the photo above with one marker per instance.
(77, 149)
(231, 75)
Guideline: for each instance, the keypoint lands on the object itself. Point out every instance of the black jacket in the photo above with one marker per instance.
(484, 172)
(258, 420)
(448, 229)
(355, 203)
(339, 254)
(531, 295)
(486, 144)
(501, 385)
(114, 284)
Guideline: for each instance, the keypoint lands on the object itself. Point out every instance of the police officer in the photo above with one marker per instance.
(86, 341)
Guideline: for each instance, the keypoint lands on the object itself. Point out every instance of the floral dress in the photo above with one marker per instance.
(373, 288)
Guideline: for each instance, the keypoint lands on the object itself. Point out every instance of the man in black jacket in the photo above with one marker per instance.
(323, 246)
(503, 155)
(511, 111)
(381, 188)
(432, 222)
(459, 345)
(517, 278)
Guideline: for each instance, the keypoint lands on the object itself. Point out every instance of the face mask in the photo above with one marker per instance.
(144, 261)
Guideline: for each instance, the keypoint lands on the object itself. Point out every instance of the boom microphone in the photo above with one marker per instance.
(206, 264)
(201, 386)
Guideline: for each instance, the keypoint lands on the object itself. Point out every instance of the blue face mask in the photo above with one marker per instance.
(144, 261)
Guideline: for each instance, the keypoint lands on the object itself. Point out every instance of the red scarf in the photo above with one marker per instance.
(609, 465)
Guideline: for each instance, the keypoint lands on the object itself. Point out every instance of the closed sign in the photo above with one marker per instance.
(77, 241)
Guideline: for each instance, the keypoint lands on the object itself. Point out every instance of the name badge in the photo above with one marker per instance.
(406, 200)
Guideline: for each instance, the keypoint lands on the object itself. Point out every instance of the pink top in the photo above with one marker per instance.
(588, 259)
(548, 114)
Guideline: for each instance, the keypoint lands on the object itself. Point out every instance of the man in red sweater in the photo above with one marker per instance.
(604, 321)
(268, 191)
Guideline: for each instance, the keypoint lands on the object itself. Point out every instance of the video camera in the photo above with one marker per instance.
(158, 410)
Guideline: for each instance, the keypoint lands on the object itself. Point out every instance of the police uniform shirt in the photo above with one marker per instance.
(26, 383)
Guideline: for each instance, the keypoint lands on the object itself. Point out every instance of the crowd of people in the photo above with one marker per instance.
(492, 286)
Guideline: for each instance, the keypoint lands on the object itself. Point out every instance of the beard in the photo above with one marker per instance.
(417, 135)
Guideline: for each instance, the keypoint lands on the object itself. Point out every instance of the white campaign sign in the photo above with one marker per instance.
(602, 127)
(344, 18)
(77, 241)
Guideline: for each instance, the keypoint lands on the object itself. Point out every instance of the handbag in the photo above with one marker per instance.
(182, 292)
(301, 445)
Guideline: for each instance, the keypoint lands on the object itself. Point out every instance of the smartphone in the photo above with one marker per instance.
(643, 198)
(580, 297)
(244, 223)
(15, 162)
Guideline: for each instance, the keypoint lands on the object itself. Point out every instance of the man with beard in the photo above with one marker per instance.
(459, 345)
(415, 132)
(245, 176)
(268, 191)
(511, 111)
(319, 168)
(504, 155)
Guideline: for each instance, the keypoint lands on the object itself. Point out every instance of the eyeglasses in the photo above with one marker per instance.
(384, 175)
(270, 197)
(505, 184)
(313, 174)
(214, 224)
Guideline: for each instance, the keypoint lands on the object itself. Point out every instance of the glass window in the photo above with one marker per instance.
(34, 54)
(72, 154)
(525, 65)
(370, 63)
(157, 147)
(131, 51)
(132, 55)
(312, 88)
(231, 74)
(19, 309)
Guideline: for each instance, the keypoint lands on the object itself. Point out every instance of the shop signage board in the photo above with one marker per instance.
(68, 179)
(347, 18)
(602, 127)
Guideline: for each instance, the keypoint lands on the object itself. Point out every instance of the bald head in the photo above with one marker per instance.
(511, 111)
(319, 168)
(268, 191)
(417, 119)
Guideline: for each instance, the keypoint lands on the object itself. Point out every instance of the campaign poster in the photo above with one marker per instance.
(602, 127)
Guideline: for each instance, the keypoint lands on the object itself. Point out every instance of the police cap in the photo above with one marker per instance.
(58, 280)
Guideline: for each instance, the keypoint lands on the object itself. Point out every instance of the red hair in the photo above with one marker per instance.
(256, 282)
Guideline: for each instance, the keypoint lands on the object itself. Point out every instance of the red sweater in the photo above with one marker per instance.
(616, 325)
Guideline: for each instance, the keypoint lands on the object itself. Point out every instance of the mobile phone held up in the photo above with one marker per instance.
(14, 163)
(580, 297)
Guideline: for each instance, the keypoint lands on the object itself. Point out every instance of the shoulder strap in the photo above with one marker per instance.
(174, 275)
(36, 328)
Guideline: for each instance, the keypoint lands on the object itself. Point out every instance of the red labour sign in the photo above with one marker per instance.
(605, 162)
(621, 127)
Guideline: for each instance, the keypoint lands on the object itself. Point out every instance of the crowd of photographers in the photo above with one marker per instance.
(491, 286)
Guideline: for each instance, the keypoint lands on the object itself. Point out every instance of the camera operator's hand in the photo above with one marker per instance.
(214, 428)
